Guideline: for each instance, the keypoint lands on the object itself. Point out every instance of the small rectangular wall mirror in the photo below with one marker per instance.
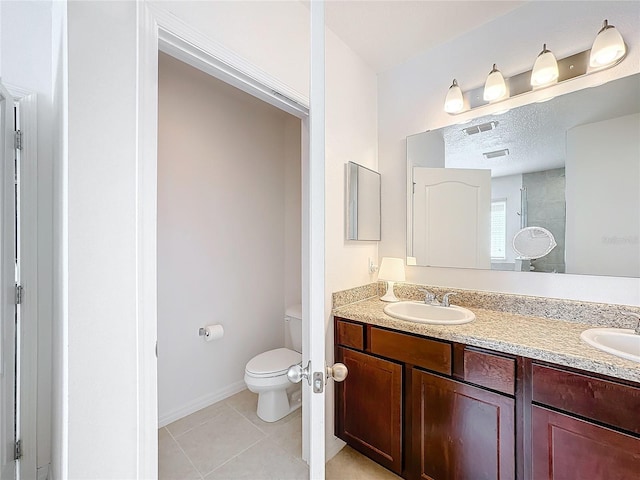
(363, 203)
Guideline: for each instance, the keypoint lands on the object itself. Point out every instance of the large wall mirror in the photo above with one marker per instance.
(569, 166)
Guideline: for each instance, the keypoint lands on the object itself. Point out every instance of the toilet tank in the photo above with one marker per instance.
(293, 327)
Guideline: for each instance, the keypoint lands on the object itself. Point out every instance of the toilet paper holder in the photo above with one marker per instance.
(211, 332)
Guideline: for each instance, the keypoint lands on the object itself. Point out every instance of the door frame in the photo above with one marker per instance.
(30, 320)
(159, 30)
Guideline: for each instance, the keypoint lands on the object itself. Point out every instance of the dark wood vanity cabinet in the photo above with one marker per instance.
(401, 406)
(460, 430)
(583, 426)
(369, 407)
(435, 410)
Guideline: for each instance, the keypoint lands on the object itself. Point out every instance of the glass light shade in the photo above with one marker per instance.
(454, 102)
(494, 87)
(545, 69)
(608, 47)
(391, 269)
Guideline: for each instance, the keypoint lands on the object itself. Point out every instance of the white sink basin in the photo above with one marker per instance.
(424, 313)
(622, 342)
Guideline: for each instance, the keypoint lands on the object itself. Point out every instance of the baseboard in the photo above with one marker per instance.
(332, 446)
(200, 403)
(43, 473)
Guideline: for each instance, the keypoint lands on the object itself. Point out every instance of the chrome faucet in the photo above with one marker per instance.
(637, 317)
(429, 298)
(445, 299)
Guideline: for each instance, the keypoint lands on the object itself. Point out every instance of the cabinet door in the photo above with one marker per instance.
(369, 407)
(460, 431)
(565, 447)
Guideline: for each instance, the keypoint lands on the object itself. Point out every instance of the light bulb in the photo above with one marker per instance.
(545, 69)
(608, 47)
(495, 87)
(454, 102)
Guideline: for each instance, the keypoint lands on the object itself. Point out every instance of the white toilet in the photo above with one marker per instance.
(266, 373)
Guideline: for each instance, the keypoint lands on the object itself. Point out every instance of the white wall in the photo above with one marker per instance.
(228, 175)
(100, 197)
(292, 213)
(607, 154)
(58, 424)
(102, 321)
(411, 97)
(26, 61)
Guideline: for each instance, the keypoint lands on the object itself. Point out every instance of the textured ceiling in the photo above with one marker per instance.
(535, 134)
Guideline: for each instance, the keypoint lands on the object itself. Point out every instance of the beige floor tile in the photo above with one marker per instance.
(263, 461)
(228, 441)
(246, 403)
(223, 437)
(289, 435)
(172, 462)
(349, 464)
(185, 424)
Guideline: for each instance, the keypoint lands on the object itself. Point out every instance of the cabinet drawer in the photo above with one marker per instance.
(601, 400)
(491, 371)
(350, 334)
(418, 351)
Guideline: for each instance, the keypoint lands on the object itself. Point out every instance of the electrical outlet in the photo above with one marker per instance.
(373, 268)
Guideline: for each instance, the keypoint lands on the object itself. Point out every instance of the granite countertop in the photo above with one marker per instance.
(554, 341)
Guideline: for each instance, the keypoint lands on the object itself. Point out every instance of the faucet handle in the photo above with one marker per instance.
(428, 296)
(637, 317)
(445, 298)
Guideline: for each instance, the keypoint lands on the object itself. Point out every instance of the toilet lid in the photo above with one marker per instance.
(273, 362)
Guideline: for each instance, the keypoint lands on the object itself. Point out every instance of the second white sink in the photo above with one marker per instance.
(621, 342)
(424, 313)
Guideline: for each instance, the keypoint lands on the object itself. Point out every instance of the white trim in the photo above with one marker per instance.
(43, 473)
(29, 315)
(333, 447)
(201, 402)
(155, 28)
(146, 263)
(181, 41)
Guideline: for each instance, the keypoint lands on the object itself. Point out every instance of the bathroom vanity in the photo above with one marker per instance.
(434, 402)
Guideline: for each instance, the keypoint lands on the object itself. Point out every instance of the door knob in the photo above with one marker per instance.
(338, 372)
(296, 373)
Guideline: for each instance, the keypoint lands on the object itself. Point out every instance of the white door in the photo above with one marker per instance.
(7, 288)
(313, 211)
(452, 217)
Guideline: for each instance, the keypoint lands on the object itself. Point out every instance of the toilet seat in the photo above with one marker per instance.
(272, 363)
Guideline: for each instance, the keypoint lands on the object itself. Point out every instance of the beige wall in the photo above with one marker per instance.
(229, 238)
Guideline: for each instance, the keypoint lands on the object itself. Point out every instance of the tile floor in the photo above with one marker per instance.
(228, 441)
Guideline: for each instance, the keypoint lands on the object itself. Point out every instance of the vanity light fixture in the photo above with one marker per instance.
(454, 103)
(608, 47)
(391, 271)
(545, 69)
(608, 50)
(494, 88)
